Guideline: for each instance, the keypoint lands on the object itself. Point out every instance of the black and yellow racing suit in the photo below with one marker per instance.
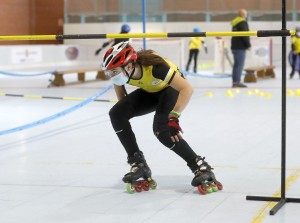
(154, 94)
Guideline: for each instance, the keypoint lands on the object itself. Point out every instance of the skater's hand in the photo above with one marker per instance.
(98, 51)
(206, 50)
(175, 128)
(105, 44)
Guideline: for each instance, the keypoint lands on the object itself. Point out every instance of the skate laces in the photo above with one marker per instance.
(136, 166)
(203, 166)
(137, 161)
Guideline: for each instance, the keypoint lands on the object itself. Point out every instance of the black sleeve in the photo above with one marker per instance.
(293, 46)
(243, 26)
(119, 40)
(164, 73)
(105, 44)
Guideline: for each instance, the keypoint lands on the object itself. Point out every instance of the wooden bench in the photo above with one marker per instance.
(253, 73)
(60, 81)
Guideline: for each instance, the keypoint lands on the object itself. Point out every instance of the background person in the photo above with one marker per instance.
(124, 29)
(295, 52)
(195, 45)
(239, 45)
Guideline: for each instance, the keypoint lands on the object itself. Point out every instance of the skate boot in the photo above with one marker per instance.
(205, 179)
(139, 177)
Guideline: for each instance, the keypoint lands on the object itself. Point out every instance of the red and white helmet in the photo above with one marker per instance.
(118, 55)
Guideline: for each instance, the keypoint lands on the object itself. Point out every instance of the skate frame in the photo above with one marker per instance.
(281, 200)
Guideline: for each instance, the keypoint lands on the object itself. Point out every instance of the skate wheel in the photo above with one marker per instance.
(208, 189)
(219, 185)
(213, 187)
(145, 185)
(129, 188)
(202, 190)
(138, 187)
(153, 184)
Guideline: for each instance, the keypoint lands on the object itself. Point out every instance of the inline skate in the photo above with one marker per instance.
(205, 179)
(139, 177)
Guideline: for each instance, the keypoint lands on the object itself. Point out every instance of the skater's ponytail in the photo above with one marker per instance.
(150, 58)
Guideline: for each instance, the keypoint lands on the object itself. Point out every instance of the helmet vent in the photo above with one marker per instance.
(121, 46)
(108, 60)
(127, 53)
(116, 60)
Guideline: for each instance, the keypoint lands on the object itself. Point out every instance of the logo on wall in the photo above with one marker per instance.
(72, 53)
(261, 52)
(26, 55)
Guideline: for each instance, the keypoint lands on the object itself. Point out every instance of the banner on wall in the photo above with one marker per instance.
(20, 55)
(260, 55)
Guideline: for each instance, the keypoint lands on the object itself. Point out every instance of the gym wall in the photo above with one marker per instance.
(31, 17)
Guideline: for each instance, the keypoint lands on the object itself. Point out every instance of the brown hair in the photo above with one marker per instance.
(149, 58)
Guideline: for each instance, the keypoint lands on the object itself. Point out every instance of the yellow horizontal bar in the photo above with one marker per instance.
(293, 32)
(165, 35)
(129, 35)
(138, 35)
(249, 33)
(73, 99)
(28, 37)
(32, 96)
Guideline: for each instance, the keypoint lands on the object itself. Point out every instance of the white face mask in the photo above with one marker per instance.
(120, 79)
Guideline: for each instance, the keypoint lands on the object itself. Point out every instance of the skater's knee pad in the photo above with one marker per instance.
(115, 116)
(161, 130)
(115, 112)
(165, 138)
(119, 117)
(120, 111)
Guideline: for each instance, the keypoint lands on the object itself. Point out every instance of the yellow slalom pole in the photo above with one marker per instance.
(137, 35)
(259, 33)
(53, 97)
(32, 96)
(293, 32)
(249, 33)
(28, 37)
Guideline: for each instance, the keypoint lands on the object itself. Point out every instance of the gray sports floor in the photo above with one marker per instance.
(70, 169)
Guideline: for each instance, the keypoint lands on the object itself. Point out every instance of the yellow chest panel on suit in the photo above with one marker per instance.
(150, 83)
